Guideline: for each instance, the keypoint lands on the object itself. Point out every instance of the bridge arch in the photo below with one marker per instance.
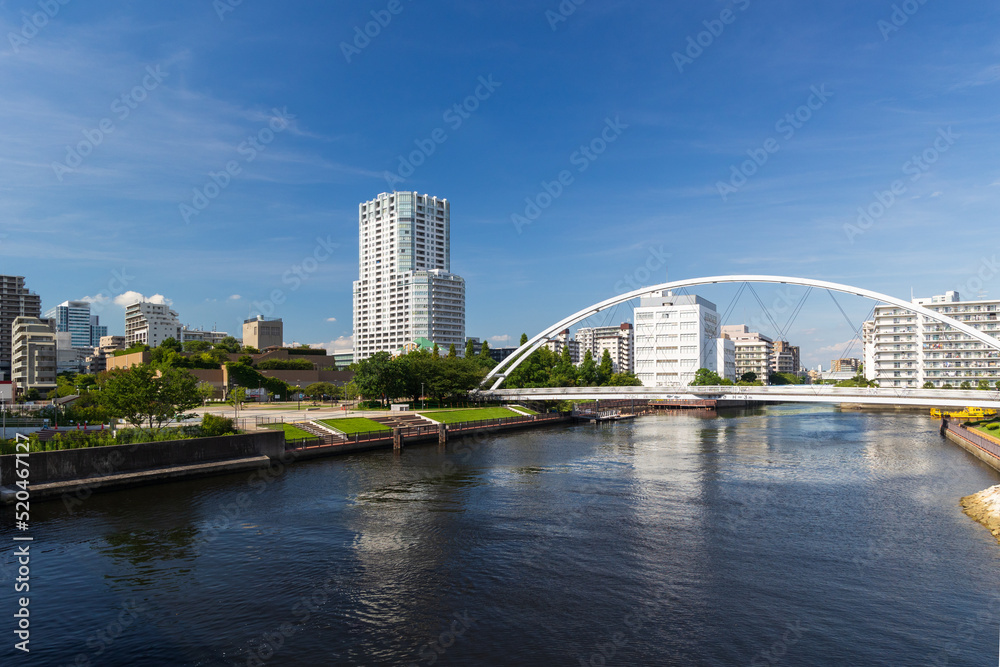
(524, 351)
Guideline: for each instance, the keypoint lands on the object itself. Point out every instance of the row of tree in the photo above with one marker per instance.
(545, 368)
(420, 373)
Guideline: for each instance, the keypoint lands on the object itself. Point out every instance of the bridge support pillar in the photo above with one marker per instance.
(397, 439)
(442, 434)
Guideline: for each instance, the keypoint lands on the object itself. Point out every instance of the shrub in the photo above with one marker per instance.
(211, 426)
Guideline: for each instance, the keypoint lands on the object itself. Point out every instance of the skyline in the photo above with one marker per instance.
(822, 110)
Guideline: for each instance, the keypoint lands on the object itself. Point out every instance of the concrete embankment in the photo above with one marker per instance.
(984, 507)
(74, 474)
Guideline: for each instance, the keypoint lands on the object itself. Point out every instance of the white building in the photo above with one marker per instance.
(754, 351)
(34, 353)
(405, 289)
(903, 349)
(150, 324)
(674, 337)
(563, 340)
(212, 337)
(619, 341)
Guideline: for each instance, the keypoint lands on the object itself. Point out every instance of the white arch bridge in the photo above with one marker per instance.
(808, 393)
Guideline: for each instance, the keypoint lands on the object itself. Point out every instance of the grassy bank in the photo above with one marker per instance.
(470, 415)
(352, 425)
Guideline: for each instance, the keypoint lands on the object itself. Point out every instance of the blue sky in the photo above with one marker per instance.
(183, 86)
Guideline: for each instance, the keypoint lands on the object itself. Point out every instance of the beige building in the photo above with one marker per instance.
(753, 351)
(262, 334)
(844, 365)
(33, 359)
(150, 324)
(785, 357)
(619, 341)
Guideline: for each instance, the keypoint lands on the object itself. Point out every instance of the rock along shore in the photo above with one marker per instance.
(984, 507)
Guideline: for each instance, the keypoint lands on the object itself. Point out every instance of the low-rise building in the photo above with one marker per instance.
(262, 333)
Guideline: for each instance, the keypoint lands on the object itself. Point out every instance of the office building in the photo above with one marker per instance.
(263, 333)
(754, 351)
(674, 337)
(150, 324)
(74, 317)
(498, 354)
(15, 301)
(903, 349)
(69, 358)
(34, 354)
(619, 341)
(405, 289)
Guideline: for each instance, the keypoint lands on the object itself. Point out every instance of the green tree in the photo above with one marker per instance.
(704, 377)
(171, 344)
(984, 385)
(626, 380)
(197, 345)
(381, 377)
(564, 372)
(317, 390)
(452, 353)
(966, 385)
(524, 338)
(140, 396)
(286, 365)
(249, 349)
(436, 351)
(928, 385)
(229, 344)
(206, 390)
(748, 377)
(588, 370)
(470, 349)
(606, 369)
(484, 351)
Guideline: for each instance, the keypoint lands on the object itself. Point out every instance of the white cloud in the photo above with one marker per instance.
(235, 297)
(341, 345)
(840, 348)
(130, 297)
(499, 339)
(100, 299)
(331, 319)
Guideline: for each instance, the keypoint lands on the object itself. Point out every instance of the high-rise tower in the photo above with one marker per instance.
(405, 289)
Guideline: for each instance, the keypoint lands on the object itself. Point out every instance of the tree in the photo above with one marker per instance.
(606, 369)
(229, 344)
(452, 353)
(436, 351)
(206, 390)
(246, 360)
(286, 365)
(470, 349)
(588, 370)
(197, 346)
(966, 385)
(627, 380)
(484, 351)
(704, 377)
(319, 390)
(377, 377)
(524, 338)
(171, 344)
(140, 396)
(237, 397)
(928, 385)
(748, 377)
(984, 385)
(564, 372)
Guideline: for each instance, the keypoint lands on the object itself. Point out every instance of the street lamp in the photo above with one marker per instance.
(422, 403)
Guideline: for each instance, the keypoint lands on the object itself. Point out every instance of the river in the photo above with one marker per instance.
(788, 535)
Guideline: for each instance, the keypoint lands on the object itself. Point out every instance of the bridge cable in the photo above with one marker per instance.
(795, 314)
(767, 312)
(733, 302)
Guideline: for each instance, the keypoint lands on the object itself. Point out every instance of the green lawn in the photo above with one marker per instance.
(982, 429)
(291, 432)
(471, 415)
(352, 425)
(524, 409)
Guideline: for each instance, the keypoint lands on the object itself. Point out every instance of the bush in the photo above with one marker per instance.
(212, 426)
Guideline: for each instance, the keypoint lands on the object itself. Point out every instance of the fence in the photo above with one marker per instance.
(981, 440)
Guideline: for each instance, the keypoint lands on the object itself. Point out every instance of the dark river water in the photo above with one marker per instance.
(794, 536)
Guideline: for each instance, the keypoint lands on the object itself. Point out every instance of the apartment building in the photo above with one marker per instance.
(34, 353)
(903, 349)
(786, 357)
(405, 289)
(618, 341)
(754, 351)
(15, 301)
(150, 324)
